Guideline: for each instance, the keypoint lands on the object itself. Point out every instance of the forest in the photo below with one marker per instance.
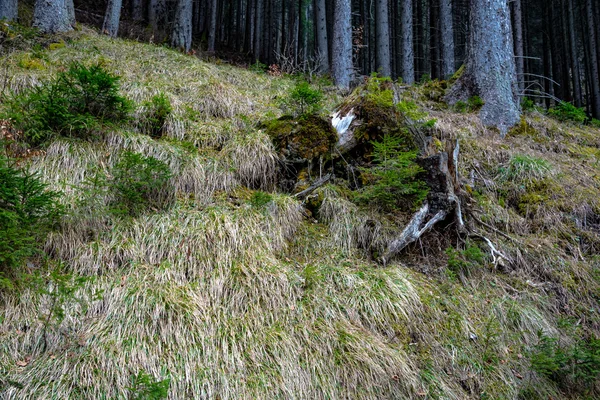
(300, 199)
(555, 43)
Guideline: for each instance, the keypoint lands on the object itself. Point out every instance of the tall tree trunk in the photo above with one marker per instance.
(574, 56)
(595, 77)
(137, 10)
(447, 38)
(51, 16)
(382, 37)
(518, 35)
(157, 15)
(212, 29)
(181, 37)
(408, 54)
(322, 47)
(258, 29)
(548, 61)
(248, 42)
(342, 44)
(112, 18)
(9, 9)
(490, 70)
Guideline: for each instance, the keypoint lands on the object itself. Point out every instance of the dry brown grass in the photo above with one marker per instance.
(234, 301)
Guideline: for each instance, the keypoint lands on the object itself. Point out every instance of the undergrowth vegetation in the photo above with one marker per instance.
(75, 103)
(172, 265)
(392, 182)
(28, 211)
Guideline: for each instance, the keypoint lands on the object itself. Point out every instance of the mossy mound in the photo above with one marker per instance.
(376, 114)
(306, 138)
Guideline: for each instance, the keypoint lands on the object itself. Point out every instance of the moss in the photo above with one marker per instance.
(28, 61)
(435, 90)
(309, 137)
(523, 128)
(57, 45)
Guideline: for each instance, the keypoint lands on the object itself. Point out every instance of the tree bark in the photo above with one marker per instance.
(574, 56)
(51, 16)
(322, 46)
(9, 9)
(258, 29)
(137, 10)
(112, 18)
(408, 54)
(518, 35)
(490, 71)
(595, 78)
(382, 37)
(342, 44)
(157, 15)
(447, 38)
(182, 28)
(212, 29)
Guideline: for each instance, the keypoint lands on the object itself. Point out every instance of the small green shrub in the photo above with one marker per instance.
(471, 105)
(145, 387)
(568, 112)
(258, 67)
(475, 103)
(158, 110)
(260, 199)
(72, 104)
(306, 99)
(63, 291)
(392, 181)
(140, 184)
(463, 261)
(28, 211)
(527, 104)
(573, 368)
(595, 122)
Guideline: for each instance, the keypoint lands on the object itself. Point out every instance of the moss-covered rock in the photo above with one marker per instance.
(306, 138)
(376, 114)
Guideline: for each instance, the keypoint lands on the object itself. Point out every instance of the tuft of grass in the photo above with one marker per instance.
(525, 169)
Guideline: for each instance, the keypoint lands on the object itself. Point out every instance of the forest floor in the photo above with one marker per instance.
(236, 291)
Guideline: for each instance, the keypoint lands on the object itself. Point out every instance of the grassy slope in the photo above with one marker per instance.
(233, 301)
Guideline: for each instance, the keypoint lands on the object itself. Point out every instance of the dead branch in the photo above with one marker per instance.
(320, 182)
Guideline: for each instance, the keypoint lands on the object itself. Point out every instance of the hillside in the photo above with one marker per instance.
(238, 290)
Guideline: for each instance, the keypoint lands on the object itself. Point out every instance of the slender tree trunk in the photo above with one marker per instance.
(490, 70)
(342, 44)
(382, 37)
(181, 37)
(548, 61)
(447, 38)
(51, 16)
(249, 26)
(322, 47)
(258, 29)
(566, 82)
(9, 9)
(157, 15)
(212, 30)
(408, 54)
(137, 10)
(574, 56)
(595, 76)
(518, 35)
(112, 18)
